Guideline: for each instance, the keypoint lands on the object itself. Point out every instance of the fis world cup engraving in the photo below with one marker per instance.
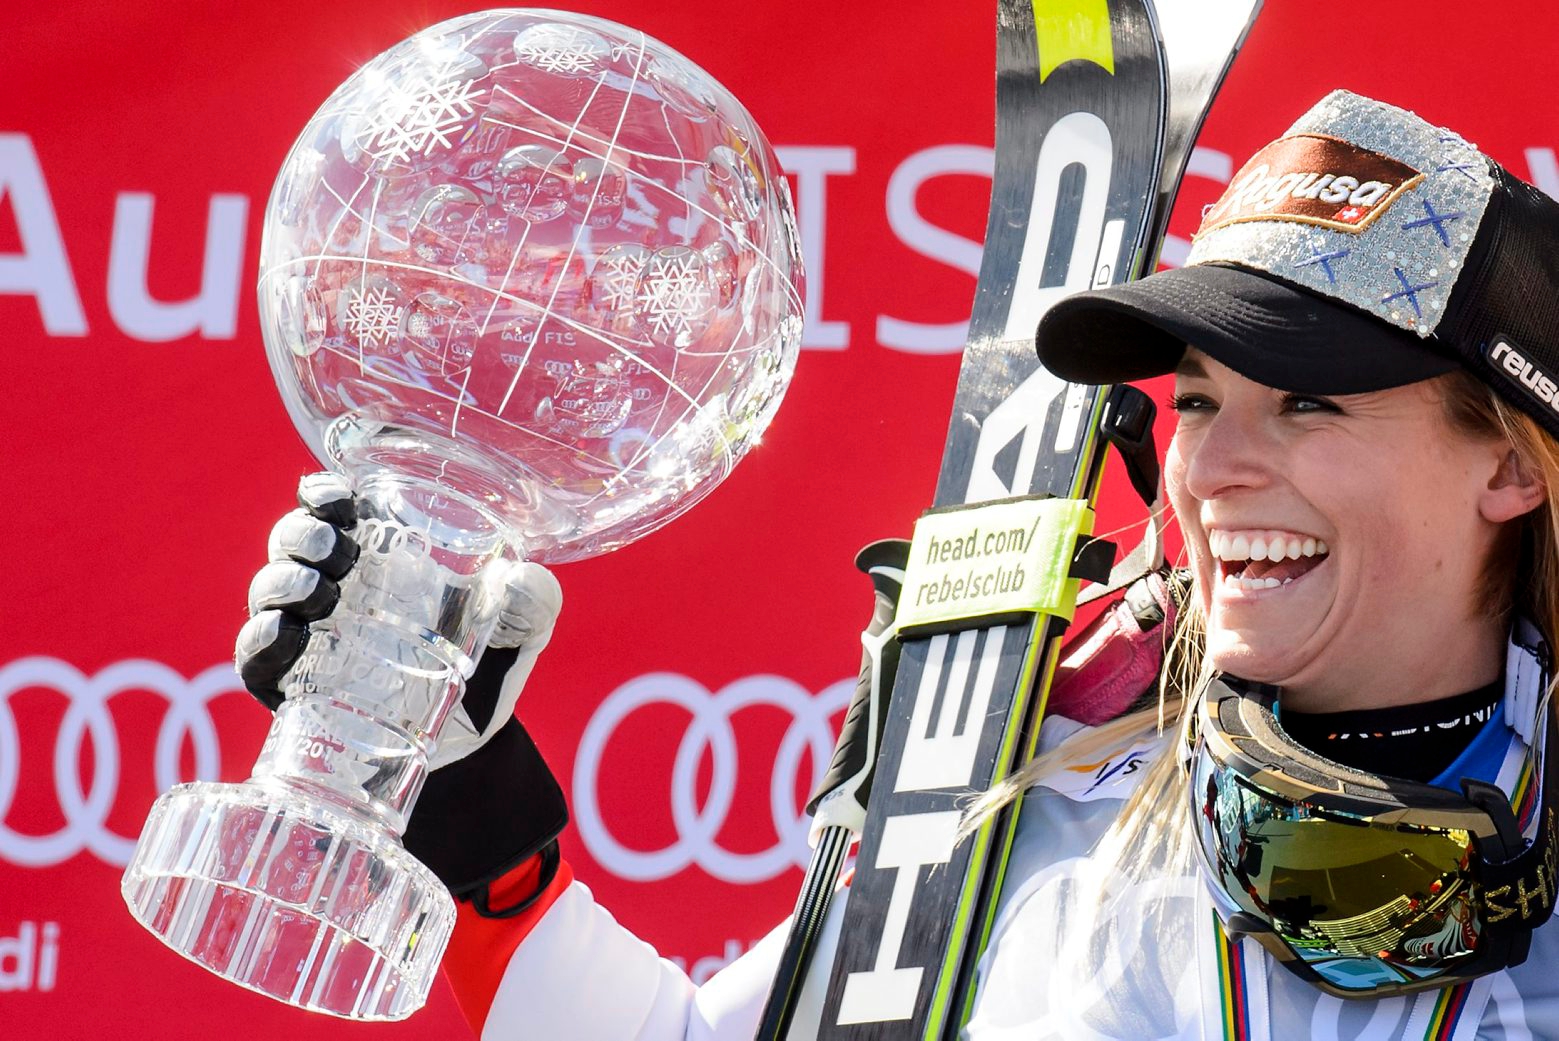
(532, 280)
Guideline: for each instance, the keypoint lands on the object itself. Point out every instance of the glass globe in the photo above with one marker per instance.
(533, 280)
(544, 259)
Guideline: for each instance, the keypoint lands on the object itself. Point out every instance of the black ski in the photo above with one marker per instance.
(1080, 198)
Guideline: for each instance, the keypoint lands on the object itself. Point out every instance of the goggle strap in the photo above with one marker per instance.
(1492, 800)
(1519, 893)
(1547, 726)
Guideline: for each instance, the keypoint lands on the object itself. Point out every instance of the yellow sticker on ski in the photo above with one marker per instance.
(995, 560)
(1073, 30)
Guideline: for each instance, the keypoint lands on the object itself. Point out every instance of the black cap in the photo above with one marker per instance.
(1365, 249)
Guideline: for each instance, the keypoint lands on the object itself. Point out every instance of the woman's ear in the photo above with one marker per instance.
(1514, 490)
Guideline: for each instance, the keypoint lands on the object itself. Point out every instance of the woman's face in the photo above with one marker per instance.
(1338, 543)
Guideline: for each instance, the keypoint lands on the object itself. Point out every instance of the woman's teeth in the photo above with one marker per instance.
(1236, 552)
(1246, 546)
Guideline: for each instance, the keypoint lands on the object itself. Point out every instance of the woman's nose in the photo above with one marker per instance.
(1230, 452)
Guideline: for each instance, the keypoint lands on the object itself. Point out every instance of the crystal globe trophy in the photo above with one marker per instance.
(532, 280)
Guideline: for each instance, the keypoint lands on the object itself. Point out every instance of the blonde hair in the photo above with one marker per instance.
(1149, 833)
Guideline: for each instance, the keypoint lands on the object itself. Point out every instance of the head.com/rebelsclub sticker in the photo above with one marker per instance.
(998, 560)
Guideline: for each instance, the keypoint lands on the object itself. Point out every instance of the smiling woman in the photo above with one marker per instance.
(1366, 475)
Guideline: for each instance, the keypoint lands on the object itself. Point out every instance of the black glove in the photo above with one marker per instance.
(490, 802)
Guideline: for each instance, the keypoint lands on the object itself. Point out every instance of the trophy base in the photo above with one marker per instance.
(290, 895)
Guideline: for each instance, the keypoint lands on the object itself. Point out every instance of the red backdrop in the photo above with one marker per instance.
(147, 452)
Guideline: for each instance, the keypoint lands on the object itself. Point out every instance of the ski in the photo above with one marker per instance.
(838, 807)
(1094, 126)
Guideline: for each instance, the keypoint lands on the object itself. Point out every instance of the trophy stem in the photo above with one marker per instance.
(382, 674)
(294, 884)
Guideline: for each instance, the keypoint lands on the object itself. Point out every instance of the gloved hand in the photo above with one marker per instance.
(490, 802)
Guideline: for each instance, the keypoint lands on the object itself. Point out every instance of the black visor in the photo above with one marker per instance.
(1262, 328)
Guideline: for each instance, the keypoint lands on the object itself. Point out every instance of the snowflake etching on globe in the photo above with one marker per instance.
(372, 316)
(568, 50)
(674, 296)
(616, 278)
(428, 112)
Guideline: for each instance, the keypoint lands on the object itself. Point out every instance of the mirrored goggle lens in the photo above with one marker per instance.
(1362, 902)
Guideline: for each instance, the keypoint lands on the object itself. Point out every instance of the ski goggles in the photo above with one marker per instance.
(1363, 885)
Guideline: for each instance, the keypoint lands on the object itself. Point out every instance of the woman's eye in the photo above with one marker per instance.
(1308, 403)
(1184, 403)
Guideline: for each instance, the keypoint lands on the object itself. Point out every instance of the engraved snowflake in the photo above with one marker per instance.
(373, 317)
(674, 296)
(617, 274)
(421, 115)
(565, 49)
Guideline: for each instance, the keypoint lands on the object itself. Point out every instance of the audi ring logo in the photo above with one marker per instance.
(697, 828)
(86, 807)
(86, 812)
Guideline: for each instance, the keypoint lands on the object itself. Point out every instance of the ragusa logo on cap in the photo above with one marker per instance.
(1312, 179)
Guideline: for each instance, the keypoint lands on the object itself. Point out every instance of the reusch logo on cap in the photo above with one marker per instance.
(1312, 179)
(1506, 358)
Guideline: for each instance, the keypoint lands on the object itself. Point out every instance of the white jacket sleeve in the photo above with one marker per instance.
(580, 975)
